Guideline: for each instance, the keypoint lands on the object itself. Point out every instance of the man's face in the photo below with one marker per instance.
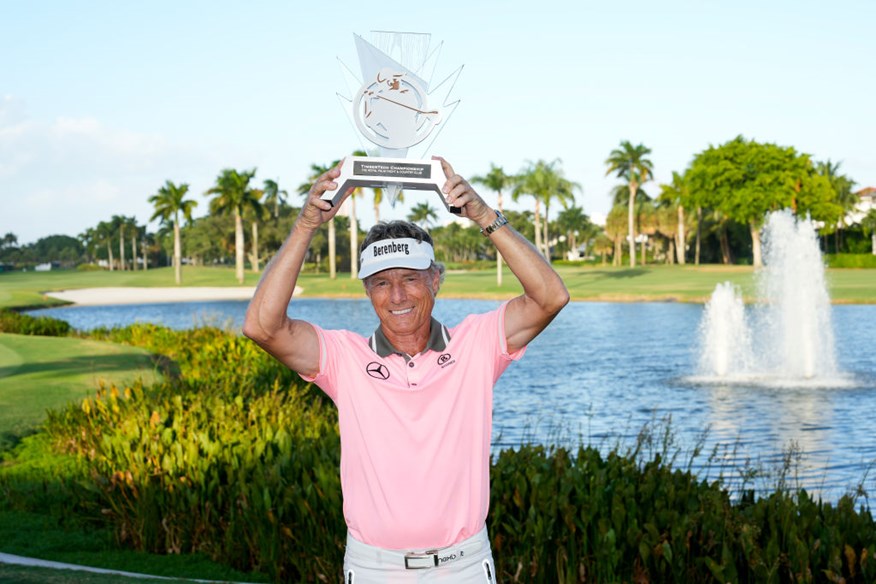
(403, 299)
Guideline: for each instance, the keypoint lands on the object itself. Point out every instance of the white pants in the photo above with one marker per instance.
(468, 562)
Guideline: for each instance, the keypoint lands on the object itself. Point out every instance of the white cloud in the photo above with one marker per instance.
(67, 174)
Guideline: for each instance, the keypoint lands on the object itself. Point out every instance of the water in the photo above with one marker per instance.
(603, 371)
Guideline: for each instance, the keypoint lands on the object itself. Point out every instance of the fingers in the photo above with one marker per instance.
(445, 166)
(326, 181)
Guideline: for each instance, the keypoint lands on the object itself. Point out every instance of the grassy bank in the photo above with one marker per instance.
(585, 283)
(41, 373)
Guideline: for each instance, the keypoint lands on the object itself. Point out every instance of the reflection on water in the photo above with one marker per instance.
(601, 372)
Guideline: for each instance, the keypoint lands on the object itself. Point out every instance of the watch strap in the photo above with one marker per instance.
(500, 221)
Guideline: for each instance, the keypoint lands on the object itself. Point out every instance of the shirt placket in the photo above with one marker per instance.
(414, 369)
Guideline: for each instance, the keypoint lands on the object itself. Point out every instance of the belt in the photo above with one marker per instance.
(440, 557)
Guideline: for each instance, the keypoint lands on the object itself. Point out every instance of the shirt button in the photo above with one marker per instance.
(410, 363)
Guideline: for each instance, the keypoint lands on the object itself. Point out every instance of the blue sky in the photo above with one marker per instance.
(101, 102)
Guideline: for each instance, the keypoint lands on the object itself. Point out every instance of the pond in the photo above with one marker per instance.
(604, 372)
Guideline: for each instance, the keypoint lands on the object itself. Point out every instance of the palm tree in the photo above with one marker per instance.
(630, 164)
(677, 193)
(274, 196)
(576, 224)
(119, 223)
(231, 196)
(842, 187)
(254, 213)
(9, 240)
(497, 181)
(868, 224)
(616, 230)
(543, 182)
(315, 172)
(169, 202)
(423, 215)
(105, 232)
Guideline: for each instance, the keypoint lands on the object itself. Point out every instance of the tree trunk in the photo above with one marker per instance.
(644, 245)
(873, 243)
(699, 235)
(618, 258)
(682, 240)
(546, 239)
(254, 259)
(122, 249)
(538, 245)
(143, 248)
(499, 255)
(134, 253)
(725, 246)
(354, 240)
(239, 249)
(109, 253)
(670, 256)
(757, 259)
(631, 227)
(333, 271)
(177, 253)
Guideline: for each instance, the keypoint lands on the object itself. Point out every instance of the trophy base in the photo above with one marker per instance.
(380, 173)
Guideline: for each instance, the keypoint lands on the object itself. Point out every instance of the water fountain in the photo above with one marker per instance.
(787, 339)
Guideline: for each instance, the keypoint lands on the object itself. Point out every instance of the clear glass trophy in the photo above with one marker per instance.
(394, 110)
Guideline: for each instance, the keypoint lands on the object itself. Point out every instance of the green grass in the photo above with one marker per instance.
(19, 289)
(39, 536)
(25, 575)
(589, 283)
(38, 373)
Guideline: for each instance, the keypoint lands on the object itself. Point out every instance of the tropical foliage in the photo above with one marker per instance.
(710, 211)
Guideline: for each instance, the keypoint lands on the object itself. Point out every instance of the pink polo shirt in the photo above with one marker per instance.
(415, 435)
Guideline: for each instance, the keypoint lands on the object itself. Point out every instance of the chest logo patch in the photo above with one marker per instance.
(377, 370)
(446, 359)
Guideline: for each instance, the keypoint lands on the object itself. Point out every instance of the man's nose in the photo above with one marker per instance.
(397, 293)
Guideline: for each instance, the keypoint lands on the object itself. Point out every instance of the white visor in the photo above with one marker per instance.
(395, 253)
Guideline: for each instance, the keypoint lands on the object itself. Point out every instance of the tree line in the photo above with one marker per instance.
(712, 211)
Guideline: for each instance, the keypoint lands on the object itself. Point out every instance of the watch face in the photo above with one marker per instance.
(391, 111)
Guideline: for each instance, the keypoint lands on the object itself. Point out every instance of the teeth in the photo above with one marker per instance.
(401, 312)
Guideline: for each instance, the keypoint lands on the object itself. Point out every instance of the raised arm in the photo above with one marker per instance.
(544, 293)
(292, 342)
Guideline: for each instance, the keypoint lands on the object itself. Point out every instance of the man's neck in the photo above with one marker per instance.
(411, 344)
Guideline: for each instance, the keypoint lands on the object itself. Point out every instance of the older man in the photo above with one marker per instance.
(415, 398)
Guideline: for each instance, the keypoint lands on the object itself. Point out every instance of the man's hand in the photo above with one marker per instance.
(317, 211)
(459, 193)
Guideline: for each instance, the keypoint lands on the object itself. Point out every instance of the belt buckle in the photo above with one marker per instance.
(424, 561)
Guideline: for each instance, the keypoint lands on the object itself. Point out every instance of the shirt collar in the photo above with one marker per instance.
(439, 336)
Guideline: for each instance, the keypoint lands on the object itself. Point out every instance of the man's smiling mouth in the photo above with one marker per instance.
(401, 312)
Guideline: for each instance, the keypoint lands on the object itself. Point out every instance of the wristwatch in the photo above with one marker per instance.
(500, 221)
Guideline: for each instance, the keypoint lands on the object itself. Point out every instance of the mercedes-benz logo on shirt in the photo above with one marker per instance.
(377, 370)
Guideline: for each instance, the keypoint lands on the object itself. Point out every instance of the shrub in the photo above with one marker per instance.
(851, 260)
(24, 324)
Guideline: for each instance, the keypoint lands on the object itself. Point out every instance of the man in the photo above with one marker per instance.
(415, 399)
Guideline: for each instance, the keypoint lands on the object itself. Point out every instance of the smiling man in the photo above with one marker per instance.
(415, 398)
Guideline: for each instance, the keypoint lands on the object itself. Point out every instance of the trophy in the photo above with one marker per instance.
(392, 110)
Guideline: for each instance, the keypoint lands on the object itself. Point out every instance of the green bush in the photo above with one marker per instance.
(851, 260)
(88, 268)
(234, 456)
(23, 324)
